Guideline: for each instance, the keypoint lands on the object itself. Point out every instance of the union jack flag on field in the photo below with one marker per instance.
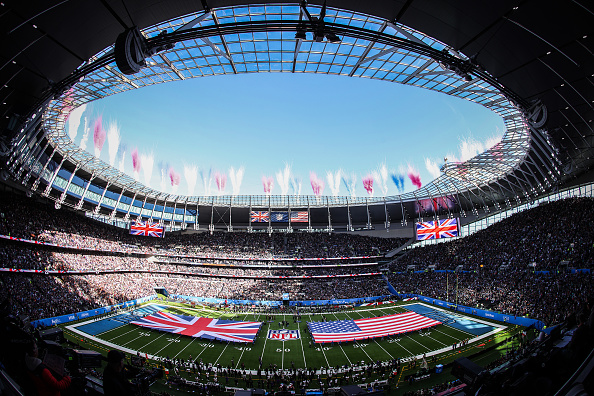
(360, 329)
(146, 228)
(299, 217)
(219, 329)
(259, 217)
(437, 229)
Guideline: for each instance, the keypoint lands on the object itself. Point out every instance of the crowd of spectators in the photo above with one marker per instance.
(548, 235)
(496, 262)
(546, 297)
(33, 220)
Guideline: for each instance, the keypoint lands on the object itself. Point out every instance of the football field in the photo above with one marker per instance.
(296, 351)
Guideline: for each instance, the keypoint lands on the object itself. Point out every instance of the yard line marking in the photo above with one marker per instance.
(184, 348)
(343, 351)
(150, 342)
(447, 335)
(111, 339)
(215, 363)
(420, 343)
(170, 342)
(321, 347)
(442, 343)
(204, 346)
(391, 357)
(126, 343)
(302, 350)
(363, 349)
(243, 348)
(283, 355)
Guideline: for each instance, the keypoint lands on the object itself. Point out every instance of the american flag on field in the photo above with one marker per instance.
(359, 329)
(220, 329)
(299, 217)
(146, 228)
(259, 217)
(437, 229)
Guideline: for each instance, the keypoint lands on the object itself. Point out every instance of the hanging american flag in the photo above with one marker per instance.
(359, 329)
(259, 217)
(299, 217)
(146, 228)
(437, 229)
(220, 329)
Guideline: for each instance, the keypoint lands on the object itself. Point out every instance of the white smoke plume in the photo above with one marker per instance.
(236, 179)
(113, 141)
(74, 121)
(191, 175)
(432, 168)
(85, 136)
(334, 181)
(147, 161)
(282, 178)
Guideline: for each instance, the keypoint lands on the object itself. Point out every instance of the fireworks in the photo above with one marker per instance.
(221, 180)
(136, 163)
(317, 184)
(350, 183)
(334, 181)
(414, 177)
(268, 184)
(191, 175)
(98, 136)
(236, 179)
(398, 179)
(282, 178)
(368, 184)
(147, 161)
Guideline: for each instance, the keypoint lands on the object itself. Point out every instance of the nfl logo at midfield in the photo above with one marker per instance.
(283, 335)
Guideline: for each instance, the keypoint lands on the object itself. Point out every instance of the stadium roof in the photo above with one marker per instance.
(508, 56)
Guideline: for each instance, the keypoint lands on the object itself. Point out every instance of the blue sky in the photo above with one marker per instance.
(269, 122)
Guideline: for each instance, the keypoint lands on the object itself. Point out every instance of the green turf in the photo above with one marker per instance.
(295, 353)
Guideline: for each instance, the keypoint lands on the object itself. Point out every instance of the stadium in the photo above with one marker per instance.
(478, 282)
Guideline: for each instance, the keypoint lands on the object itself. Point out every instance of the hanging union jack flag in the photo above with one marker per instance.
(259, 217)
(146, 228)
(360, 329)
(218, 329)
(437, 229)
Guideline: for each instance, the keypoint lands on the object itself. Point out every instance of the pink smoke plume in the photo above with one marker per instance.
(136, 165)
(268, 183)
(174, 177)
(415, 178)
(368, 184)
(99, 134)
(221, 180)
(317, 184)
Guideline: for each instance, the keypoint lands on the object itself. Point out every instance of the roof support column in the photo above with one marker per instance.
(115, 209)
(36, 183)
(98, 207)
(31, 165)
(63, 196)
(48, 188)
(127, 216)
(82, 197)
